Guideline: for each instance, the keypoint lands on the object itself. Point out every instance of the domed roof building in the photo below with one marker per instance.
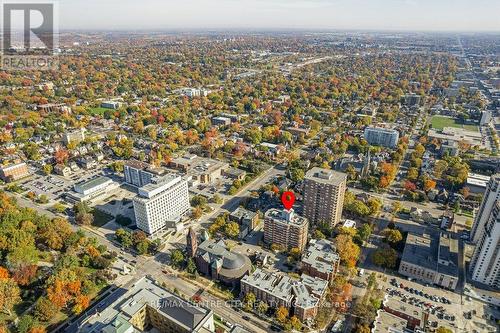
(215, 260)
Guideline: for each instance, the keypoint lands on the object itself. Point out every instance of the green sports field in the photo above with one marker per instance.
(439, 122)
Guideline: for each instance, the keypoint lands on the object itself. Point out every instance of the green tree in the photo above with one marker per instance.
(371, 280)
(191, 266)
(232, 230)
(177, 258)
(47, 169)
(385, 257)
(124, 237)
(26, 323)
(364, 232)
(297, 174)
(442, 329)
(143, 247)
(262, 307)
(392, 235)
(318, 234)
(439, 168)
(45, 309)
(249, 300)
(59, 207)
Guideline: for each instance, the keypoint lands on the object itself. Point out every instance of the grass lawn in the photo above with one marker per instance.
(97, 111)
(439, 122)
(100, 218)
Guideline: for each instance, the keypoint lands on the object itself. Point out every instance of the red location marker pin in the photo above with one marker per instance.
(288, 199)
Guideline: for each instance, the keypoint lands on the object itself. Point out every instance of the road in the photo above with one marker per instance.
(153, 266)
(245, 192)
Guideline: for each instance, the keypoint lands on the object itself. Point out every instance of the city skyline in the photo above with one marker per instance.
(396, 15)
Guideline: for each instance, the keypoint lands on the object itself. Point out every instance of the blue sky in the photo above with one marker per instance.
(442, 15)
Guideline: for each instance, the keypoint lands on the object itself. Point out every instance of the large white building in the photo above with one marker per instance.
(92, 189)
(485, 263)
(382, 136)
(491, 196)
(161, 204)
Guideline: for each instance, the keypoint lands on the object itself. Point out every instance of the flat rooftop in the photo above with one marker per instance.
(139, 165)
(195, 165)
(285, 217)
(381, 129)
(277, 285)
(322, 255)
(438, 252)
(145, 292)
(326, 176)
(90, 184)
(386, 322)
(158, 185)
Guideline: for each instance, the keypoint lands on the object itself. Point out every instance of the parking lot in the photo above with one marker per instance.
(54, 186)
(219, 187)
(445, 308)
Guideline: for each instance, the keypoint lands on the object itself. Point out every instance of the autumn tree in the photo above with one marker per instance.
(232, 229)
(4, 273)
(249, 300)
(442, 329)
(281, 314)
(348, 251)
(10, 295)
(429, 185)
(393, 236)
(81, 303)
(45, 309)
(58, 294)
(25, 274)
(61, 156)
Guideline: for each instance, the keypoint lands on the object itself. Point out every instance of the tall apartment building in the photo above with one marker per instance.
(161, 204)
(491, 196)
(382, 136)
(324, 192)
(285, 228)
(138, 173)
(485, 263)
(14, 172)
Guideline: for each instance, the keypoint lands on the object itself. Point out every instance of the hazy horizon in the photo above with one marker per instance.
(389, 15)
